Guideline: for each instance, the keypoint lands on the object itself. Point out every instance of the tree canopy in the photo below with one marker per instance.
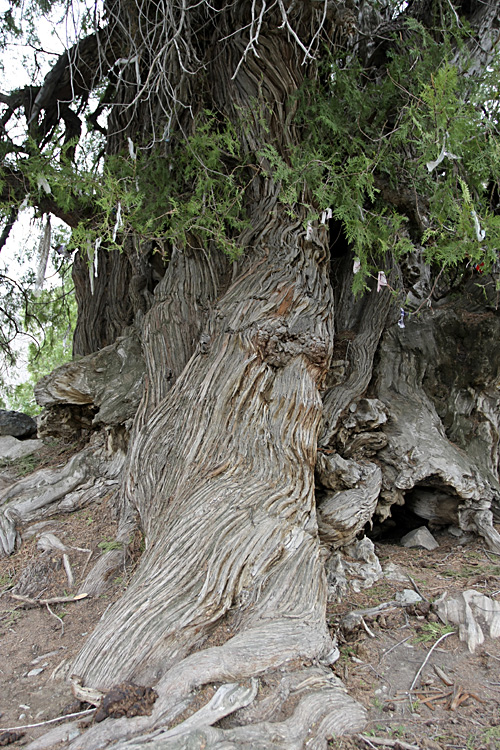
(396, 118)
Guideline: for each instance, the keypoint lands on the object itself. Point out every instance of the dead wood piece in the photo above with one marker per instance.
(428, 657)
(7, 738)
(85, 694)
(385, 742)
(69, 572)
(126, 699)
(52, 600)
(458, 697)
(228, 699)
(443, 676)
(472, 612)
(428, 700)
(477, 698)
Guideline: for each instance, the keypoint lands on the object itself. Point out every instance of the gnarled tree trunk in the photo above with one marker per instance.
(244, 378)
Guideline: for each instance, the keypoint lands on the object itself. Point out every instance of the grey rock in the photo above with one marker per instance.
(421, 537)
(408, 596)
(11, 448)
(394, 572)
(17, 424)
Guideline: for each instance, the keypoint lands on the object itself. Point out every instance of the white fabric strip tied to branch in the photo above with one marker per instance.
(381, 280)
(480, 233)
(43, 256)
(93, 255)
(326, 215)
(90, 256)
(118, 221)
(131, 149)
(431, 165)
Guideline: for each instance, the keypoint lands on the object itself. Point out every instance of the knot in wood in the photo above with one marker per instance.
(126, 699)
(277, 344)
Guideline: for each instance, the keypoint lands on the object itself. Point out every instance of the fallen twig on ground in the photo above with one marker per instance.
(49, 721)
(57, 617)
(428, 657)
(416, 588)
(52, 600)
(387, 742)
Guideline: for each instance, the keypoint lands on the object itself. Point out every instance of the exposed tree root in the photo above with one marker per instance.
(87, 476)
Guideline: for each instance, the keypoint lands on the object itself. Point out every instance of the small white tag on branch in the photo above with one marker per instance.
(381, 280)
(356, 266)
(43, 184)
(480, 233)
(431, 165)
(118, 221)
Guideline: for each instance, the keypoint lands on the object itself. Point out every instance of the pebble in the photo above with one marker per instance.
(35, 672)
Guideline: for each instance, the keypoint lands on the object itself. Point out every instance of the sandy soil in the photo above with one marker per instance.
(378, 662)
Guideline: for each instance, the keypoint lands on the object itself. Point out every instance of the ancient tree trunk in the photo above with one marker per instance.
(242, 382)
(221, 463)
(223, 476)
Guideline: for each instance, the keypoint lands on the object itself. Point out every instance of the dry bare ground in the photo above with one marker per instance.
(454, 704)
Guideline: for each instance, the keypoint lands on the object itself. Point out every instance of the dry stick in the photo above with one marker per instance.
(69, 572)
(52, 600)
(49, 721)
(387, 743)
(417, 589)
(57, 617)
(493, 657)
(395, 647)
(428, 657)
(490, 551)
(91, 552)
(491, 559)
(370, 633)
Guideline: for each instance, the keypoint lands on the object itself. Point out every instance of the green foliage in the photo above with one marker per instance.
(419, 125)
(431, 632)
(47, 320)
(189, 191)
(109, 544)
(424, 128)
(22, 466)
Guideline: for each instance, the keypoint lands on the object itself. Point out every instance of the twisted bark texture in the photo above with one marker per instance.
(221, 464)
(243, 380)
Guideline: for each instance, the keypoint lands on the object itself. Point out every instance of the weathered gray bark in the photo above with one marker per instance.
(239, 391)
